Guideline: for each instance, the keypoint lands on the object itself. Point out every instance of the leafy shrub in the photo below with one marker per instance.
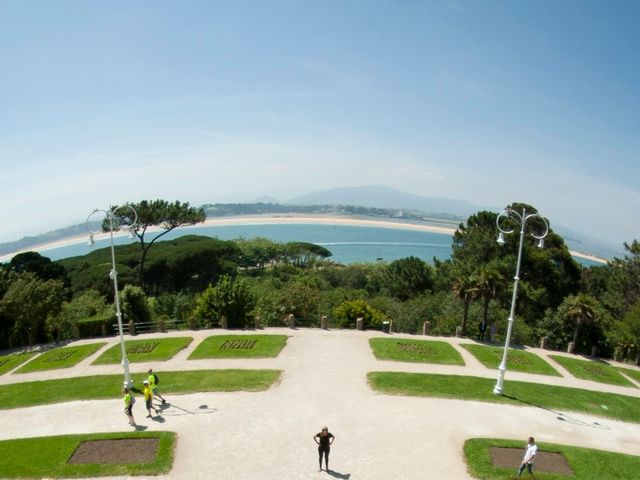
(96, 326)
(348, 312)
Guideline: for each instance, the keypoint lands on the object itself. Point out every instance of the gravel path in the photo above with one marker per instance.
(268, 435)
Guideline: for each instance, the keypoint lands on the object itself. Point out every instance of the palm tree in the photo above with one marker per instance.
(489, 283)
(579, 309)
(465, 288)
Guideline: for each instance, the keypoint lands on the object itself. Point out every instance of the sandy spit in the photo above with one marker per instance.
(291, 219)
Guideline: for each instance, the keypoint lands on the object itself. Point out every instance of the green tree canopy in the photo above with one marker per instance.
(408, 277)
(29, 301)
(156, 213)
(227, 298)
(631, 323)
(135, 307)
(41, 266)
(547, 275)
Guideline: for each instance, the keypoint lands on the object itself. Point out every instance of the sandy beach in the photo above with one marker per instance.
(283, 219)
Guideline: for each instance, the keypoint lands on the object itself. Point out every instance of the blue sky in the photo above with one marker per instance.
(485, 101)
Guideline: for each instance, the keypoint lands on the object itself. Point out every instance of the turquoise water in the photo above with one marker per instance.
(348, 244)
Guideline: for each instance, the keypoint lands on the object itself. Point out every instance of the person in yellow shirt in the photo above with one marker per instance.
(153, 383)
(148, 398)
(129, 400)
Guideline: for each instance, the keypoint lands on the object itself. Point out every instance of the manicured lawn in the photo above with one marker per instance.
(517, 360)
(239, 346)
(9, 362)
(635, 374)
(46, 457)
(64, 357)
(592, 370)
(604, 404)
(150, 350)
(406, 350)
(27, 394)
(587, 464)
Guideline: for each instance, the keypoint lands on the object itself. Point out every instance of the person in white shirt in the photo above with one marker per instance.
(529, 456)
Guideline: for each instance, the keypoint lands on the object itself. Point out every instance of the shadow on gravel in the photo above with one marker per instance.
(201, 409)
(335, 474)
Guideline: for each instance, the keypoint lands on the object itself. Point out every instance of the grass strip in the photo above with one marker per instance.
(517, 360)
(150, 350)
(9, 362)
(46, 457)
(27, 394)
(239, 346)
(603, 404)
(586, 463)
(634, 374)
(423, 351)
(592, 370)
(64, 357)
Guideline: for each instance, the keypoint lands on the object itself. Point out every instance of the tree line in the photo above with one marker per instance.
(200, 281)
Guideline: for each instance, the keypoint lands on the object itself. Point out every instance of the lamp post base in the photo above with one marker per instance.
(127, 376)
(497, 390)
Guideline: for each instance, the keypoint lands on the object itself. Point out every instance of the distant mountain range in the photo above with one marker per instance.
(380, 196)
(347, 201)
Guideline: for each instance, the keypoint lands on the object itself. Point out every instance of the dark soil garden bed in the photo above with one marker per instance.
(551, 462)
(127, 450)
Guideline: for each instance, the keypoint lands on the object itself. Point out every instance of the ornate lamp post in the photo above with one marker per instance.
(129, 223)
(522, 219)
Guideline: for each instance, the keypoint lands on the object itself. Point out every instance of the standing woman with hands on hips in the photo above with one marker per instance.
(324, 439)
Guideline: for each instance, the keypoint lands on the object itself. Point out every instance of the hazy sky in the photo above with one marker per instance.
(486, 101)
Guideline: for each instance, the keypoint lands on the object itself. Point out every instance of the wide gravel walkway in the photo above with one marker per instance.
(268, 435)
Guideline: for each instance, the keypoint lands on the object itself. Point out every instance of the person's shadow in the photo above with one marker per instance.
(335, 474)
(563, 417)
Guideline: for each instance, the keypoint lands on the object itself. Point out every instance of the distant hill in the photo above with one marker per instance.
(582, 243)
(266, 199)
(379, 196)
(52, 236)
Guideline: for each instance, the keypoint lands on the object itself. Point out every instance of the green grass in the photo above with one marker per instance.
(587, 464)
(97, 387)
(634, 374)
(9, 362)
(592, 370)
(404, 350)
(151, 350)
(603, 404)
(517, 360)
(46, 457)
(239, 346)
(64, 357)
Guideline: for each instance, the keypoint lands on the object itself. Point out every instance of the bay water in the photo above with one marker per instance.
(348, 244)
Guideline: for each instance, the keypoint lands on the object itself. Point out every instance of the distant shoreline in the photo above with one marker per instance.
(291, 219)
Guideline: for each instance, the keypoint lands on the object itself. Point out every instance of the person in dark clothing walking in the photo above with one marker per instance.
(324, 439)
